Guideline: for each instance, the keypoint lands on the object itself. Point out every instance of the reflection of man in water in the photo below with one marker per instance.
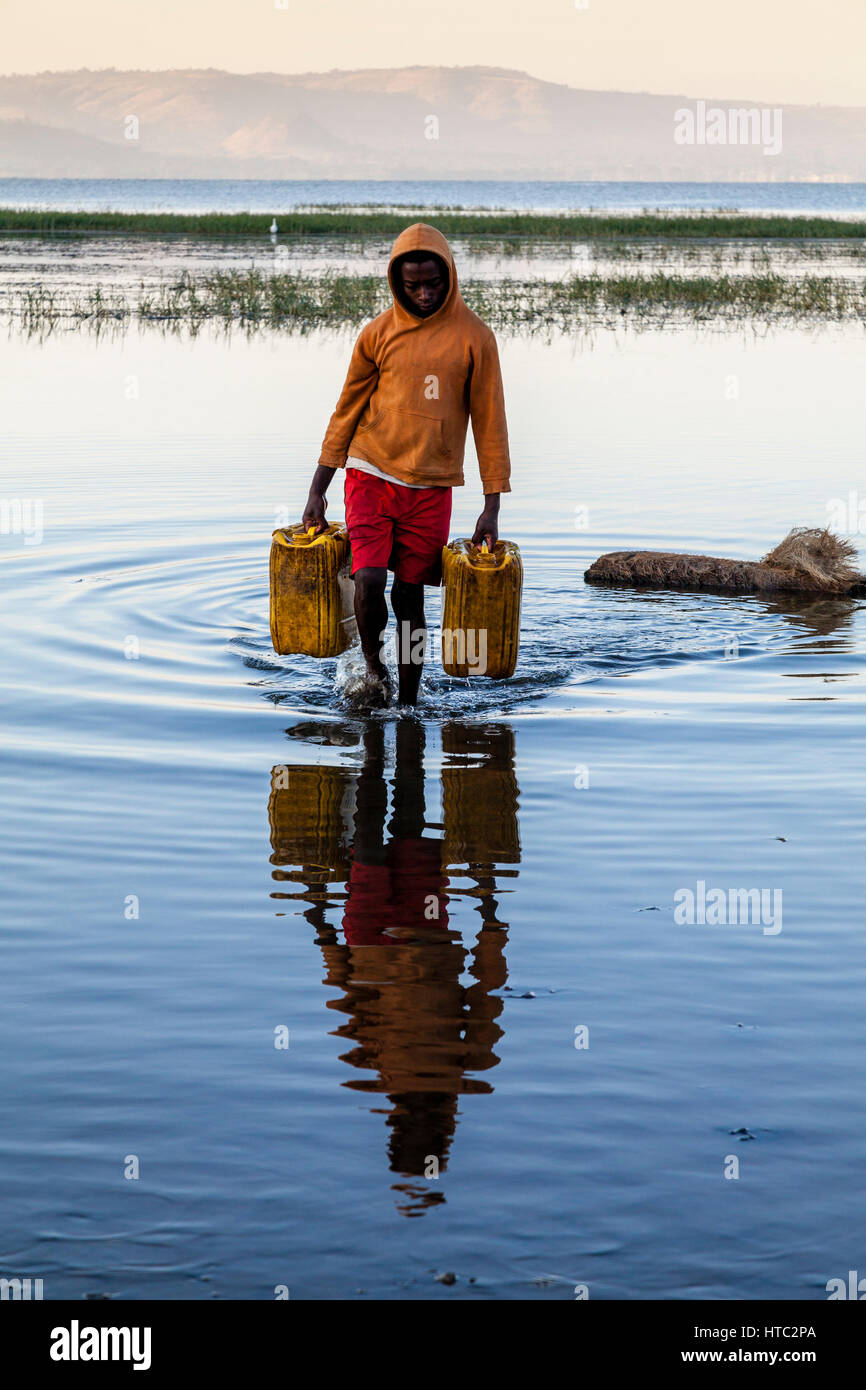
(400, 882)
(417, 1030)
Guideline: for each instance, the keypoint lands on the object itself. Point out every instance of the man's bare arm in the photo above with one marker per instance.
(487, 525)
(314, 511)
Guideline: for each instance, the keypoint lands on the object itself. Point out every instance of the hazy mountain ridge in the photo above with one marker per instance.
(492, 122)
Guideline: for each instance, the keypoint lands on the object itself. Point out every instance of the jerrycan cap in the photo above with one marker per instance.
(485, 557)
(302, 537)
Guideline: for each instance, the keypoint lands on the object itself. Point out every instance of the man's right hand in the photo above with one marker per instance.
(314, 512)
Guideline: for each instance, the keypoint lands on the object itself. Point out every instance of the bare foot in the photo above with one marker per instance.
(379, 688)
(368, 689)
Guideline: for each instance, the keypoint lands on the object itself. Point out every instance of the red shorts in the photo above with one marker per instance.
(397, 528)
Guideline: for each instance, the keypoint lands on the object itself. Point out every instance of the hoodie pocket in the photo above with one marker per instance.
(403, 436)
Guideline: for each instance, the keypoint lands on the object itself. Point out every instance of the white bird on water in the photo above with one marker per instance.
(274, 227)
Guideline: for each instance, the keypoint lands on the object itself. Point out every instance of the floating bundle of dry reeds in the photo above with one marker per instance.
(808, 560)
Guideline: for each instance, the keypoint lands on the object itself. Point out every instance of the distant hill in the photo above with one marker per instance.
(492, 123)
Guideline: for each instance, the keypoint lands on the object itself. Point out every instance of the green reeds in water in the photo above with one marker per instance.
(452, 222)
(301, 302)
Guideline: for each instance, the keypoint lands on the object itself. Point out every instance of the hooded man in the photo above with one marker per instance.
(418, 373)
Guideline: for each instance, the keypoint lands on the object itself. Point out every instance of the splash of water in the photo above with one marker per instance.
(357, 687)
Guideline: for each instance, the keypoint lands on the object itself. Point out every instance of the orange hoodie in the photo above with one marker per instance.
(413, 384)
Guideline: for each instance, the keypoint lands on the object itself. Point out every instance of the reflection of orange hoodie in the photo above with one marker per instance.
(413, 384)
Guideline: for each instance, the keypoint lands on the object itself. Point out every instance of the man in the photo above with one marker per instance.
(418, 373)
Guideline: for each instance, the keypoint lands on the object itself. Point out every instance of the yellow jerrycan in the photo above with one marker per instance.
(312, 591)
(481, 616)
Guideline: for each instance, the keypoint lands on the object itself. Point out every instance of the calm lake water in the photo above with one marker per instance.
(281, 195)
(202, 847)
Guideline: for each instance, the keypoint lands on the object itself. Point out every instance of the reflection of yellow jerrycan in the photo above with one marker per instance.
(312, 592)
(479, 798)
(310, 812)
(481, 616)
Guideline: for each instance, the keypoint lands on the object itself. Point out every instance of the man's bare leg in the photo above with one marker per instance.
(407, 601)
(371, 615)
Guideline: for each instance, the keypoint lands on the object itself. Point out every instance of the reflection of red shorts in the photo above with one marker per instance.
(398, 528)
(399, 893)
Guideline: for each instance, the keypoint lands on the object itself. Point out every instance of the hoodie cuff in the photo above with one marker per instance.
(495, 485)
(329, 460)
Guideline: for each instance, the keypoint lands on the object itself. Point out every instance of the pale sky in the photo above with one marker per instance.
(773, 51)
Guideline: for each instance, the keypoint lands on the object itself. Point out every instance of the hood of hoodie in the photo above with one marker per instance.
(418, 238)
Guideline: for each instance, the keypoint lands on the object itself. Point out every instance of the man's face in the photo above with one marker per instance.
(425, 285)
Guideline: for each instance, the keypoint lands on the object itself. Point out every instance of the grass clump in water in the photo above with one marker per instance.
(254, 298)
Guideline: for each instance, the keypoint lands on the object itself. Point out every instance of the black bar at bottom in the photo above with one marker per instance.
(85, 1339)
